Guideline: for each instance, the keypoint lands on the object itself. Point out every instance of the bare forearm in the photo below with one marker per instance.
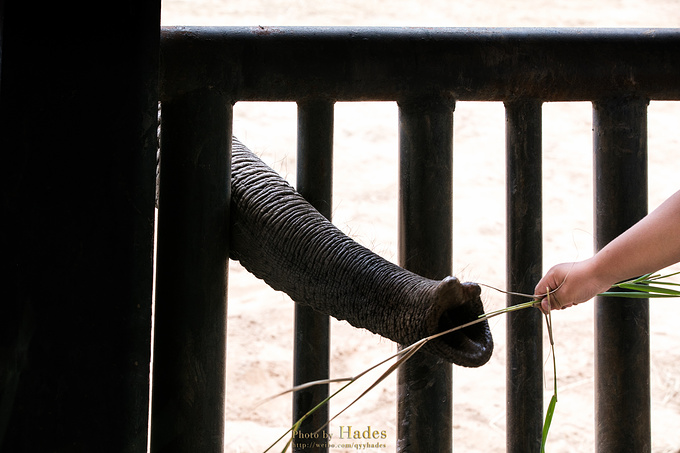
(651, 244)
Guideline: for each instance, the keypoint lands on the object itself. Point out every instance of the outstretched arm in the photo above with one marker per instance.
(651, 244)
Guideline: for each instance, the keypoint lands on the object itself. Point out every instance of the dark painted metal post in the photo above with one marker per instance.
(78, 97)
(312, 329)
(524, 367)
(622, 393)
(425, 394)
(191, 308)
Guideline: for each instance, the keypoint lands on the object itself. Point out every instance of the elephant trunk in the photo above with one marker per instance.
(282, 239)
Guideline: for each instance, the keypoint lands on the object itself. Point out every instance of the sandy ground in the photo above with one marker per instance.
(365, 173)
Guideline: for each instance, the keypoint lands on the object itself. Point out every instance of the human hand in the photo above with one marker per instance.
(569, 284)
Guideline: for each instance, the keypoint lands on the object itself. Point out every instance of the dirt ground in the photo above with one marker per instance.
(365, 207)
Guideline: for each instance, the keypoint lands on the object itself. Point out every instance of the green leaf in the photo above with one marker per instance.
(659, 276)
(634, 295)
(645, 286)
(548, 420)
(553, 401)
(650, 289)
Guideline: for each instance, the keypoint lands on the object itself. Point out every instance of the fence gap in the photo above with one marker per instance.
(622, 355)
(312, 329)
(524, 367)
(425, 395)
(190, 326)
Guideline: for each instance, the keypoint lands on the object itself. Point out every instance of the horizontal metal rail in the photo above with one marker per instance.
(427, 71)
(362, 64)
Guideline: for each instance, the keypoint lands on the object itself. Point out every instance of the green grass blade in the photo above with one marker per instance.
(553, 401)
(642, 278)
(665, 283)
(650, 289)
(645, 286)
(659, 277)
(634, 295)
(382, 377)
(403, 355)
(297, 388)
(548, 421)
(297, 424)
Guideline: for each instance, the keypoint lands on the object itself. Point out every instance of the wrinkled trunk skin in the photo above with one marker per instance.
(282, 239)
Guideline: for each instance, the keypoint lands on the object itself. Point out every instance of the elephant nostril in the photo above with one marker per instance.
(459, 304)
(471, 346)
(469, 339)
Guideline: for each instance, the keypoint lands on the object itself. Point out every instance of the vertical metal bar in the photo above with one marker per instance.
(425, 395)
(312, 329)
(524, 367)
(622, 393)
(191, 295)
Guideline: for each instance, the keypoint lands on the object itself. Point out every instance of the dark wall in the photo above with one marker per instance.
(78, 93)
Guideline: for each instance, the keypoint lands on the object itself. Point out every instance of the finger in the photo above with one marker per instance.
(553, 300)
(539, 292)
(556, 304)
(545, 306)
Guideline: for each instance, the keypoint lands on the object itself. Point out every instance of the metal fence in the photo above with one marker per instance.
(204, 71)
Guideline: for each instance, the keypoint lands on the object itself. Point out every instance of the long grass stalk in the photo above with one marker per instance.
(553, 401)
(401, 356)
(647, 286)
